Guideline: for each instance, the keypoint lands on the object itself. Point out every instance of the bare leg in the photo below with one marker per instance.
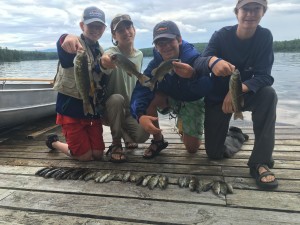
(192, 144)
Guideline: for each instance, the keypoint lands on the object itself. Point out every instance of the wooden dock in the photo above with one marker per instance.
(29, 199)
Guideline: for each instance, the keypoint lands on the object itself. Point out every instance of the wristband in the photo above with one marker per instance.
(214, 63)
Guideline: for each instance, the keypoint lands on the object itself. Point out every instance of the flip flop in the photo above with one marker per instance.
(254, 171)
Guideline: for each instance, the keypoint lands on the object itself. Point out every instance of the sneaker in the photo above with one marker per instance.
(50, 139)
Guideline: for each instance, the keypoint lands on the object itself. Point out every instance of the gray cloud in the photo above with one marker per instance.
(37, 24)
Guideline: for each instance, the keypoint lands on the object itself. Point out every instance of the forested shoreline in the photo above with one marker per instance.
(8, 55)
(278, 46)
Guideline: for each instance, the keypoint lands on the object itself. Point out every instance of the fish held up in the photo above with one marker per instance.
(123, 62)
(159, 72)
(82, 80)
(235, 89)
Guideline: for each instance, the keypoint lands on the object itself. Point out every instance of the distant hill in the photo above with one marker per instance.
(7, 55)
(49, 50)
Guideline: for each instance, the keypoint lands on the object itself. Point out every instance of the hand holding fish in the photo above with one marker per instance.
(147, 123)
(71, 44)
(221, 67)
(183, 70)
(106, 62)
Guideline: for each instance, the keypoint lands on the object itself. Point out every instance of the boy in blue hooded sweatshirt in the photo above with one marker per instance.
(179, 94)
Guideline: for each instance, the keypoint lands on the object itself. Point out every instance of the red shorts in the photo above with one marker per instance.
(82, 135)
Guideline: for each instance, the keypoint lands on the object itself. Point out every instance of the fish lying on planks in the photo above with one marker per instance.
(151, 181)
(195, 184)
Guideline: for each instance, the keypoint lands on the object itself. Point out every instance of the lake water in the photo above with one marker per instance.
(285, 72)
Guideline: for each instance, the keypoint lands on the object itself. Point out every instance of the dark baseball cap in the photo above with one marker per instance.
(241, 3)
(165, 29)
(93, 14)
(118, 19)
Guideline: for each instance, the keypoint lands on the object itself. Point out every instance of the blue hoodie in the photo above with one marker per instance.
(178, 88)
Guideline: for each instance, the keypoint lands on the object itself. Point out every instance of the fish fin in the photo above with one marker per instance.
(151, 86)
(87, 108)
(143, 79)
(152, 83)
(238, 115)
(242, 102)
(92, 89)
(153, 72)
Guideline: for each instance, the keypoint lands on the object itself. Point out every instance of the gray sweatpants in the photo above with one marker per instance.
(122, 124)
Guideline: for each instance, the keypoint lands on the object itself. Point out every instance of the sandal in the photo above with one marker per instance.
(118, 153)
(50, 139)
(131, 145)
(254, 171)
(158, 145)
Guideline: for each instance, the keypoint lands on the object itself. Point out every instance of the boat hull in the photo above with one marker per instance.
(22, 103)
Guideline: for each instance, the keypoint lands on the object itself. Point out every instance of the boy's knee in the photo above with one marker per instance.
(192, 144)
(269, 94)
(115, 99)
(88, 156)
(97, 155)
(191, 150)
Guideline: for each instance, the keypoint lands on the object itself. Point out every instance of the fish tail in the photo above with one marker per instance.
(87, 108)
(92, 88)
(238, 115)
(142, 79)
(151, 86)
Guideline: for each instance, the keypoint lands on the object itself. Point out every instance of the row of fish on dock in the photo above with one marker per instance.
(193, 183)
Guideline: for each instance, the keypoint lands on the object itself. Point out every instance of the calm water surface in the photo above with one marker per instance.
(285, 71)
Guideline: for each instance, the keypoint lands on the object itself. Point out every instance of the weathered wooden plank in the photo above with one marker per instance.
(249, 183)
(113, 188)
(229, 172)
(155, 168)
(173, 141)
(244, 172)
(19, 179)
(41, 147)
(265, 200)
(162, 161)
(139, 210)
(42, 153)
(4, 193)
(14, 217)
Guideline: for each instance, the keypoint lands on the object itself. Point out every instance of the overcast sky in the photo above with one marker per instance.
(37, 24)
